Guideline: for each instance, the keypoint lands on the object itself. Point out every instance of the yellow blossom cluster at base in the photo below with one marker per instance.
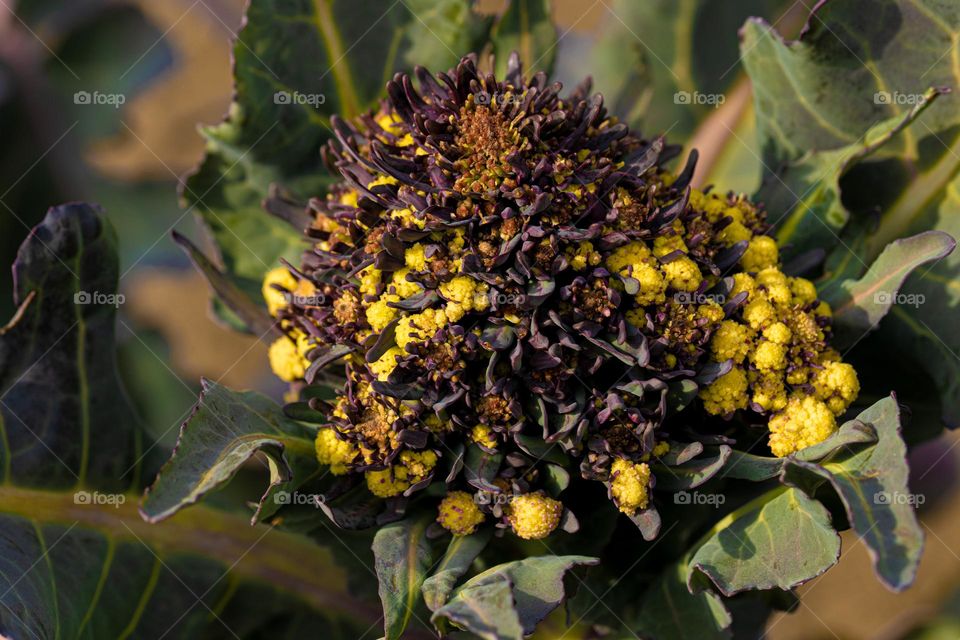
(533, 515)
(333, 451)
(459, 514)
(413, 466)
(629, 485)
(288, 358)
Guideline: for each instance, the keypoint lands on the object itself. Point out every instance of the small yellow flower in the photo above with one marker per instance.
(804, 291)
(370, 278)
(459, 514)
(333, 451)
(628, 255)
(277, 300)
(734, 232)
(727, 393)
(387, 482)
(652, 284)
(761, 253)
(419, 464)
(759, 313)
(665, 245)
(683, 274)
(464, 294)
(402, 287)
(731, 340)
(804, 422)
(287, 358)
(711, 311)
(350, 198)
(411, 468)
(384, 366)
(629, 485)
(837, 385)
(743, 282)
(776, 285)
(380, 313)
(778, 333)
(416, 258)
(769, 392)
(482, 434)
(769, 356)
(533, 515)
(420, 327)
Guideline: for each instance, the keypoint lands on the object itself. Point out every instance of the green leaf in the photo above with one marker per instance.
(747, 466)
(859, 305)
(780, 539)
(668, 611)
(693, 473)
(872, 483)
(58, 379)
(804, 196)
(297, 63)
(537, 584)
(850, 434)
(486, 610)
(98, 570)
(440, 32)
(527, 28)
(77, 559)
(225, 430)
(912, 181)
(460, 554)
(403, 559)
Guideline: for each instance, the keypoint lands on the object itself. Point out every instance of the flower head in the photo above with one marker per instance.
(500, 262)
(629, 485)
(459, 514)
(534, 515)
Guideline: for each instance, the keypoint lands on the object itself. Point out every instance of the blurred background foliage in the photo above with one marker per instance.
(170, 60)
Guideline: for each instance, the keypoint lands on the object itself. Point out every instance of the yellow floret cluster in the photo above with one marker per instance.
(804, 422)
(459, 514)
(782, 363)
(288, 357)
(629, 485)
(335, 452)
(276, 298)
(533, 515)
(412, 467)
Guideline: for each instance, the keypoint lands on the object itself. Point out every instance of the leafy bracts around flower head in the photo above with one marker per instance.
(511, 273)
